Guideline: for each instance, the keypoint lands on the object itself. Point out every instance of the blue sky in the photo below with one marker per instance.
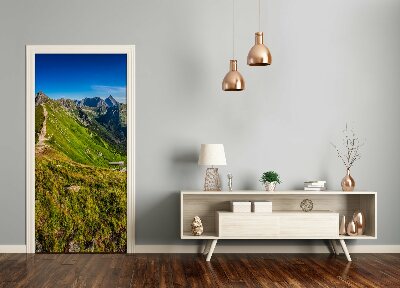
(77, 76)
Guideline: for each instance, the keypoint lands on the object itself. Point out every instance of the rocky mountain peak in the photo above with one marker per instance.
(67, 103)
(94, 102)
(41, 98)
(111, 102)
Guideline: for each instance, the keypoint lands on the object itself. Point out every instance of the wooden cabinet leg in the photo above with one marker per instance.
(346, 252)
(335, 247)
(207, 247)
(212, 247)
(332, 246)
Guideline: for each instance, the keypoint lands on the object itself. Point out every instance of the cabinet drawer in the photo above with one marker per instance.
(247, 224)
(278, 225)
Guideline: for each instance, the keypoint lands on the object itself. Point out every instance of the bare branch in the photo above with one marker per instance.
(351, 145)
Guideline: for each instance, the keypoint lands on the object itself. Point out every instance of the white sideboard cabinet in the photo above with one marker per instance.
(286, 221)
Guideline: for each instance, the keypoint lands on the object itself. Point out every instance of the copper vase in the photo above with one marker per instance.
(342, 226)
(351, 228)
(359, 219)
(348, 182)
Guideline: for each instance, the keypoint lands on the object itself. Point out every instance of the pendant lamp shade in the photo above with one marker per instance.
(259, 54)
(233, 80)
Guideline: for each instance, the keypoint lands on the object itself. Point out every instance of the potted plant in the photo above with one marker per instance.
(270, 179)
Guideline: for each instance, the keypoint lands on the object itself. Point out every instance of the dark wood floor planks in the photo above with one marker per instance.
(191, 270)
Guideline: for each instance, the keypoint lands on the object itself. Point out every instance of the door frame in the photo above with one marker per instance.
(31, 51)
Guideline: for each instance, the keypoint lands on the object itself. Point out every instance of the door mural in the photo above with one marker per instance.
(80, 153)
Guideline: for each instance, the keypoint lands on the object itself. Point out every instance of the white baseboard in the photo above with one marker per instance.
(374, 249)
(265, 249)
(239, 249)
(12, 248)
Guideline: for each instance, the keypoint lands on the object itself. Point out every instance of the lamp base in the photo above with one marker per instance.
(212, 181)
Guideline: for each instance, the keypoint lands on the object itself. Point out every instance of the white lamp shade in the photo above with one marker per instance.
(212, 154)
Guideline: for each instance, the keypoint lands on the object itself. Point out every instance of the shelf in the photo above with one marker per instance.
(278, 212)
(188, 235)
(356, 237)
(210, 236)
(292, 192)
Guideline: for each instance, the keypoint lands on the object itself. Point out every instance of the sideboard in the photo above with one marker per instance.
(286, 221)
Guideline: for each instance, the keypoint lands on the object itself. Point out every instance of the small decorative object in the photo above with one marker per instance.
(270, 179)
(349, 156)
(315, 185)
(261, 206)
(197, 226)
(210, 155)
(351, 228)
(306, 205)
(342, 227)
(230, 182)
(241, 206)
(348, 182)
(359, 220)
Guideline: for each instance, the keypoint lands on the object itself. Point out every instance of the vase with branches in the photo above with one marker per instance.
(349, 153)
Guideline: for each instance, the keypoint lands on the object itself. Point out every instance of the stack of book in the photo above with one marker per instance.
(262, 206)
(315, 185)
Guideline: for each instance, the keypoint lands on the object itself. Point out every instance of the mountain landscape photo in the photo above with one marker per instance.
(77, 185)
(80, 171)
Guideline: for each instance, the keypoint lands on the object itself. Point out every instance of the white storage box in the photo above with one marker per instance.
(241, 206)
(261, 206)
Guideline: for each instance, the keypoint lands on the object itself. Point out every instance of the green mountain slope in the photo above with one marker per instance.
(79, 208)
(113, 137)
(80, 199)
(76, 141)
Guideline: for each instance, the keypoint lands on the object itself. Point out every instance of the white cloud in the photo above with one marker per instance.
(115, 91)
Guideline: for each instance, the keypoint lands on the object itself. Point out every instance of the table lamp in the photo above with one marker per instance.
(212, 155)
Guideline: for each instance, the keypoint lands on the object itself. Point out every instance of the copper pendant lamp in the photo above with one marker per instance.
(233, 80)
(259, 54)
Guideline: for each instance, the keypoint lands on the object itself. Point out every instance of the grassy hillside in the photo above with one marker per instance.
(79, 143)
(79, 208)
(80, 200)
(91, 121)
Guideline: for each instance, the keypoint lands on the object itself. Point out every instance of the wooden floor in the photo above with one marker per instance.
(191, 270)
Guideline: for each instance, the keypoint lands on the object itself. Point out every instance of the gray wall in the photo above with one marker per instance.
(333, 62)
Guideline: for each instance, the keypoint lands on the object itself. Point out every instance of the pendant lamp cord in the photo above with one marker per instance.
(233, 29)
(259, 15)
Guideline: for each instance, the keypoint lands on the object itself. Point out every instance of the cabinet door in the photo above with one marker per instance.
(248, 225)
(278, 225)
(313, 225)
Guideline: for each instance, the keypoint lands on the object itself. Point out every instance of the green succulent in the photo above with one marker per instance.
(270, 176)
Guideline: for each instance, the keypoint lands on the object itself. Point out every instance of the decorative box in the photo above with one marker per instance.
(241, 206)
(261, 206)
